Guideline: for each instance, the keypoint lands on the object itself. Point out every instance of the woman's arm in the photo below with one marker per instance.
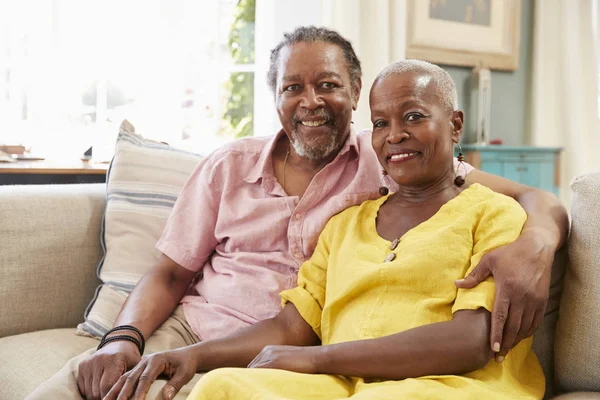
(453, 347)
(236, 350)
(522, 269)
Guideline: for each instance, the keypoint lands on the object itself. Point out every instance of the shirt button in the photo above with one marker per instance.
(298, 216)
(298, 255)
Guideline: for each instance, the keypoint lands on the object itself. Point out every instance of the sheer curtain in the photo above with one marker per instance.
(564, 98)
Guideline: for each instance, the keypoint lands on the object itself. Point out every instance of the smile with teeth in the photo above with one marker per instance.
(313, 123)
(397, 157)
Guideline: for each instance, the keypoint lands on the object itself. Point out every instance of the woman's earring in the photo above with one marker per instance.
(460, 180)
(383, 190)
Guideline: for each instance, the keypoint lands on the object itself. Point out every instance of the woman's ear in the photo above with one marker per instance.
(457, 125)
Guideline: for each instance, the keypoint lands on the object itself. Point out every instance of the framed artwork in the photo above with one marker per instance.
(475, 33)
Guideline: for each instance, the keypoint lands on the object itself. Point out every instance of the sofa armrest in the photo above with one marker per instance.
(49, 251)
(578, 329)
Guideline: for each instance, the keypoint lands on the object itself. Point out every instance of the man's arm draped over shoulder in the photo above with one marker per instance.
(521, 269)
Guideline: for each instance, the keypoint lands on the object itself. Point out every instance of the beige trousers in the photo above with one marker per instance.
(174, 333)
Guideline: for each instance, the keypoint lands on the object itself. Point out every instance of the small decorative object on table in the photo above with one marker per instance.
(479, 113)
(12, 148)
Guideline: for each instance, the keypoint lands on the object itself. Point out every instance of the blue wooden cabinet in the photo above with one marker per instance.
(533, 166)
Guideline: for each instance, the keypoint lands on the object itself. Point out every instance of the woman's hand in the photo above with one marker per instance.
(179, 366)
(522, 272)
(290, 358)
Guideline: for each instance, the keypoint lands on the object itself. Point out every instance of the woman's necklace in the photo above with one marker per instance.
(390, 257)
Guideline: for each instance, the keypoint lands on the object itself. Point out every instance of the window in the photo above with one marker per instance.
(182, 71)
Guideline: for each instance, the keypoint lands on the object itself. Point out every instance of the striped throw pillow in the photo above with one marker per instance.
(144, 180)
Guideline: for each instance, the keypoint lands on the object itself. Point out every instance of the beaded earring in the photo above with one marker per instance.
(460, 180)
(383, 190)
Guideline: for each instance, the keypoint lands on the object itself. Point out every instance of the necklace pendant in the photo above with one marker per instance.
(394, 244)
(390, 257)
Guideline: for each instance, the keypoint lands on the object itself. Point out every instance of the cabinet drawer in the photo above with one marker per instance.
(532, 166)
(538, 175)
(511, 170)
(516, 156)
(529, 174)
(546, 177)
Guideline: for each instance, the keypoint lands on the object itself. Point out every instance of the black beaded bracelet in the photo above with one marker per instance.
(115, 338)
(141, 346)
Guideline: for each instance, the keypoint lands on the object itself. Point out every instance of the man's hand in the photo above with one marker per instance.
(290, 358)
(179, 366)
(522, 272)
(99, 372)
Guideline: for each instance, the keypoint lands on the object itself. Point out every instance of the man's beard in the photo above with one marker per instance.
(318, 151)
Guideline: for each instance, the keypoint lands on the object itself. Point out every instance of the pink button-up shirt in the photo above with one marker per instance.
(234, 223)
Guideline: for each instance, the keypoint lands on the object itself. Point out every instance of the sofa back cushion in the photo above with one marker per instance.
(578, 332)
(144, 180)
(49, 250)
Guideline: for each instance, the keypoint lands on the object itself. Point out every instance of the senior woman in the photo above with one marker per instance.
(376, 313)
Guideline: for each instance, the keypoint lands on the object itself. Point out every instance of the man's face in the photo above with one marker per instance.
(314, 98)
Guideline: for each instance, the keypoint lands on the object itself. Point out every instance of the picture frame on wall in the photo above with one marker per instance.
(469, 33)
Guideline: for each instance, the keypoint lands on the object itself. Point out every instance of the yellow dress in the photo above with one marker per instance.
(347, 293)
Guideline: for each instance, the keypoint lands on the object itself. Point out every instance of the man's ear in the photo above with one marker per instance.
(457, 125)
(356, 93)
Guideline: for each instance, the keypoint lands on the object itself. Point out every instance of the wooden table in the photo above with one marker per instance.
(52, 171)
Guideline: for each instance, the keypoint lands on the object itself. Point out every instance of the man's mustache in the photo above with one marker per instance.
(321, 113)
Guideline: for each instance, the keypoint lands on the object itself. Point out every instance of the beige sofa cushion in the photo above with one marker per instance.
(31, 358)
(144, 180)
(49, 250)
(578, 334)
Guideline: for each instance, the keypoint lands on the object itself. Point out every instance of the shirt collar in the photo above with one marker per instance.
(264, 164)
(263, 168)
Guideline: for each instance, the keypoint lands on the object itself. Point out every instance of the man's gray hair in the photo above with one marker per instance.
(446, 89)
(310, 34)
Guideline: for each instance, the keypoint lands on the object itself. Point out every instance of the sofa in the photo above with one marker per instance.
(50, 250)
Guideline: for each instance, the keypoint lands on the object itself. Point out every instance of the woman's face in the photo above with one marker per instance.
(413, 134)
